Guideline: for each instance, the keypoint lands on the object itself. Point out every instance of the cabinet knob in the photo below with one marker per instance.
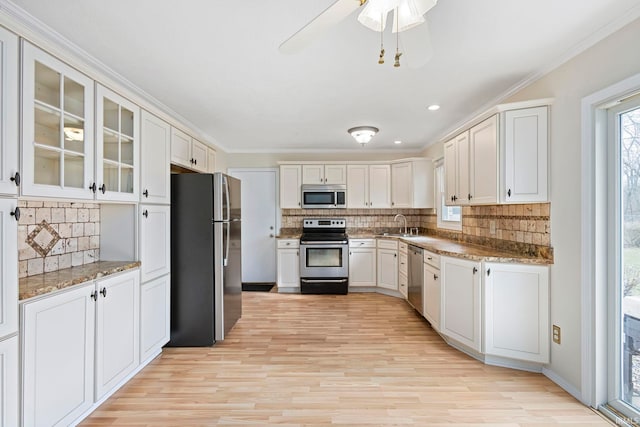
(509, 192)
(16, 213)
(16, 179)
(94, 295)
(488, 271)
(469, 196)
(145, 213)
(395, 255)
(103, 188)
(191, 161)
(475, 270)
(455, 198)
(195, 161)
(271, 235)
(93, 187)
(392, 203)
(145, 193)
(435, 277)
(104, 292)
(429, 258)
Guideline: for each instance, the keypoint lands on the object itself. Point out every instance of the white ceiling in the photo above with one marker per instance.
(216, 63)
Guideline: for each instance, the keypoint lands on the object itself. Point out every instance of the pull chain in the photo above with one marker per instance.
(398, 53)
(381, 59)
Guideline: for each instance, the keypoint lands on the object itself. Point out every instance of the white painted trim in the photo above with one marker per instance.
(591, 392)
(553, 376)
(352, 162)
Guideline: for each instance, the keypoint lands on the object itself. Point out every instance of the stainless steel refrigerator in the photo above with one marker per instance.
(206, 282)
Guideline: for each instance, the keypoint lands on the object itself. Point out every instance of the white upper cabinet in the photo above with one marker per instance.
(8, 267)
(324, 174)
(483, 162)
(181, 148)
(211, 160)
(155, 149)
(357, 186)
(9, 165)
(57, 128)
(199, 154)
(456, 167)
(290, 179)
(117, 147)
(412, 184)
(525, 166)
(368, 186)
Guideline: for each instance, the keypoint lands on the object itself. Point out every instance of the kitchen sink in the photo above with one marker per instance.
(396, 235)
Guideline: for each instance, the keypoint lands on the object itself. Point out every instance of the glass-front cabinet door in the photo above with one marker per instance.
(117, 146)
(57, 128)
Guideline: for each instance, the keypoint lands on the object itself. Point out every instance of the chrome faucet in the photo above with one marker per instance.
(395, 218)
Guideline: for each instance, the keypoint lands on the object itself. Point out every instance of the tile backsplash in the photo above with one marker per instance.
(357, 219)
(57, 235)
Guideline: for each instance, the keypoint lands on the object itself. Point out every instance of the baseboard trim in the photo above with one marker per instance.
(564, 384)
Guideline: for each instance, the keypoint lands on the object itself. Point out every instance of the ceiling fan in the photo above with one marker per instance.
(407, 15)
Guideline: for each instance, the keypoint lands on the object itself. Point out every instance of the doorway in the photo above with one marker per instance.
(260, 222)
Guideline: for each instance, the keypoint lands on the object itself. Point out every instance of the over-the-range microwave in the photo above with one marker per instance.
(324, 196)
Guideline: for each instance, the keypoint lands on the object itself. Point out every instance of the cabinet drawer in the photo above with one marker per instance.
(432, 259)
(388, 244)
(402, 267)
(288, 243)
(403, 284)
(362, 243)
(403, 247)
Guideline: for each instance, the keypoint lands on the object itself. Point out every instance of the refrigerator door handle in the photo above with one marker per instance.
(227, 237)
(228, 201)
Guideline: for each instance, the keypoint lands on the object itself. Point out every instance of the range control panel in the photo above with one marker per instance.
(324, 223)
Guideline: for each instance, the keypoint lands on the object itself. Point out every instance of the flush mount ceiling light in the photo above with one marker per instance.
(363, 134)
(397, 141)
(433, 107)
(73, 133)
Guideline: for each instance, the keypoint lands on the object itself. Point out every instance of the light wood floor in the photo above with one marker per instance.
(309, 360)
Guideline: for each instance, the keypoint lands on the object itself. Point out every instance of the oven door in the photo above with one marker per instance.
(324, 260)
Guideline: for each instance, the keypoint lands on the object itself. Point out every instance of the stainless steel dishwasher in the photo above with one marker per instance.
(416, 278)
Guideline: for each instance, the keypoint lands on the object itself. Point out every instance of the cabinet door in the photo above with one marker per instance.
(211, 160)
(313, 174)
(357, 186)
(8, 268)
(335, 174)
(379, 186)
(58, 357)
(403, 285)
(290, 177)
(388, 269)
(461, 297)
(155, 159)
(9, 390)
(117, 147)
(155, 241)
(57, 128)
(450, 172)
(181, 148)
(462, 168)
(517, 311)
(154, 316)
(525, 155)
(401, 185)
(483, 163)
(117, 330)
(288, 268)
(200, 155)
(432, 299)
(9, 113)
(362, 267)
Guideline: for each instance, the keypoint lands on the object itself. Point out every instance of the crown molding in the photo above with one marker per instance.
(41, 35)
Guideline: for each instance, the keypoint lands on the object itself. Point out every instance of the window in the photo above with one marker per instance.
(449, 217)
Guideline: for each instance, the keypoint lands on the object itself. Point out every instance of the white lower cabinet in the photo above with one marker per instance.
(117, 329)
(155, 310)
(9, 382)
(362, 262)
(77, 345)
(388, 264)
(288, 263)
(461, 301)
(516, 306)
(58, 357)
(432, 295)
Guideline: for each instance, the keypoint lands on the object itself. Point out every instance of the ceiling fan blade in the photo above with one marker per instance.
(416, 46)
(330, 17)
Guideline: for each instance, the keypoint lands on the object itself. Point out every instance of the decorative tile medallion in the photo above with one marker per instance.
(43, 238)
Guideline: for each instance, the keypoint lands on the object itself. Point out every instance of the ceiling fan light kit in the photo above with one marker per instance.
(363, 134)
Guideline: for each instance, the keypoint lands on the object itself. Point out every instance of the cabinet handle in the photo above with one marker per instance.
(271, 235)
(145, 213)
(93, 187)
(392, 203)
(94, 295)
(16, 213)
(429, 258)
(145, 193)
(195, 161)
(103, 188)
(509, 192)
(395, 255)
(469, 196)
(16, 178)
(488, 271)
(298, 253)
(350, 253)
(435, 277)
(104, 292)
(455, 198)
(191, 160)
(475, 270)
(298, 203)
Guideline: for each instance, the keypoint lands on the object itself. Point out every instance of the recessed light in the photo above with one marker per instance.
(433, 107)
(397, 141)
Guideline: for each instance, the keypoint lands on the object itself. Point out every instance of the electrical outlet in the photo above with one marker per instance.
(556, 334)
(492, 227)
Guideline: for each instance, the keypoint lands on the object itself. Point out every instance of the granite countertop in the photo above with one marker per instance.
(287, 235)
(43, 284)
(448, 247)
